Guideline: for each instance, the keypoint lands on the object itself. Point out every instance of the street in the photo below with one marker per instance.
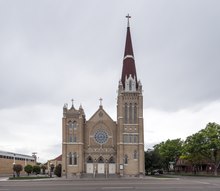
(149, 183)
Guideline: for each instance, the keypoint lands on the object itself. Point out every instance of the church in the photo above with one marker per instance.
(100, 146)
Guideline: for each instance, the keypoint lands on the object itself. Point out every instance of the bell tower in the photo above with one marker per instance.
(130, 128)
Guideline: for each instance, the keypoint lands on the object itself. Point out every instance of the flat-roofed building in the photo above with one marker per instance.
(8, 159)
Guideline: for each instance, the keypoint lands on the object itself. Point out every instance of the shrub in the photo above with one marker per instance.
(58, 170)
(36, 169)
(28, 169)
(17, 168)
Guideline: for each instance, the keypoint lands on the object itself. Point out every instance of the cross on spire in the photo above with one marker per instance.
(100, 99)
(128, 17)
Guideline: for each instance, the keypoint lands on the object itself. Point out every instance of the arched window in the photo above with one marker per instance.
(126, 159)
(70, 126)
(130, 85)
(126, 113)
(74, 159)
(70, 159)
(135, 113)
(135, 154)
(74, 125)
(130, 113)
(89, 159)
(100, 160)
(111, 160)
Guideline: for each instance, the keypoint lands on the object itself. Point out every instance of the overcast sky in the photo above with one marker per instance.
(52, 51)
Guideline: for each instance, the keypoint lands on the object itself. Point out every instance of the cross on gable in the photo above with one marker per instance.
(100, 99)
(72, 100)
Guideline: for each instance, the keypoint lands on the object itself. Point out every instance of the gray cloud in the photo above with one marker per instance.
(52, 51)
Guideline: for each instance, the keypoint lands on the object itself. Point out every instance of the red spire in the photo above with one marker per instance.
(128, 62)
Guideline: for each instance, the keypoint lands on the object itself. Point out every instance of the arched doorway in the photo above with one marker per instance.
(101, 165)
(112, 167)
(89, 165)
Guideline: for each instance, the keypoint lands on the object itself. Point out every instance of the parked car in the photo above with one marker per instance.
(157, 172)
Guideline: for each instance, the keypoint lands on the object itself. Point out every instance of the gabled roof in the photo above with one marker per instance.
(98, 112)
(59, 158)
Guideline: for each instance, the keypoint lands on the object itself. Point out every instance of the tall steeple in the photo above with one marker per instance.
(128, 70)
(130, 124)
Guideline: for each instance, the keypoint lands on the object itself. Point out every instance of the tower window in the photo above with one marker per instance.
(135, 113)
(126, 113)
(126, 159)
(74, 159)
(70, 138)
(130, 113)
(74, 139)
(70, 159)
(72, 125)
(126, 140)
(135, 154)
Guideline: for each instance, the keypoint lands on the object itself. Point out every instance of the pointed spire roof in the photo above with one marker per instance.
(128, 61)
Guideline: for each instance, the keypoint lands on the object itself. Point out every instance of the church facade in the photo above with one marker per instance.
(101, 146)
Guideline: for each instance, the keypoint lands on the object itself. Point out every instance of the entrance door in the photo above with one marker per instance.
(89, 165)
(89, 168)
(112, 168)
(101, 168)
(101, 165)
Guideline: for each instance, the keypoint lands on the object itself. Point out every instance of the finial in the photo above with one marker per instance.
(128, 17)
(100, 99)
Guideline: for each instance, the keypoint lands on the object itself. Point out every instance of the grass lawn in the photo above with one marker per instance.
(28, 177)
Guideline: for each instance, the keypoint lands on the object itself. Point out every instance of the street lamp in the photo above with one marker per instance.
(13, 167)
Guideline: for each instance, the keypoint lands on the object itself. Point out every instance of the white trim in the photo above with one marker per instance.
(128, 56)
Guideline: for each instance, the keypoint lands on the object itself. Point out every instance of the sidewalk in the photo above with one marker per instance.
(3, 179)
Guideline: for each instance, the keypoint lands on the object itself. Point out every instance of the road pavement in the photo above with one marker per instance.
(148, 184)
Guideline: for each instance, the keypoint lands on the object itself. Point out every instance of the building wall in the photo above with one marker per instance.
(6, 165)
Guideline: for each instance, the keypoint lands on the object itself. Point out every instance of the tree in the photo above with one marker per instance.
(28, 169)
(152, 160)
(58, 170)
(204, 145)
(36, 169)
(17, 168)
(169, 151)
(43, 167)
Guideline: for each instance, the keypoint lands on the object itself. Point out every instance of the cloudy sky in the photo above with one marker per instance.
(52, 51)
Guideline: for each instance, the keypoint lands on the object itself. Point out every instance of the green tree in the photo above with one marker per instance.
(58, 170)
(17, 168)
(36, 169)
(152, 160)
(204, 146)
(169, 151)
(28, 169)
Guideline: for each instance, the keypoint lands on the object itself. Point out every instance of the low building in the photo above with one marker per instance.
(51, 164)
(8, 159)
(54, 162)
